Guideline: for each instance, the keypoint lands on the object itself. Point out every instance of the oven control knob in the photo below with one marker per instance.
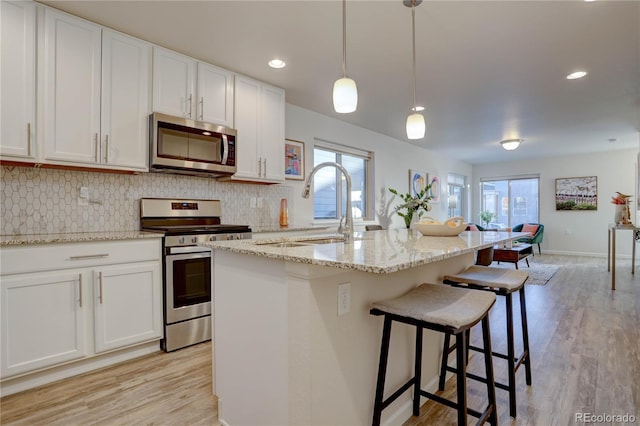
(194, 239)
(212, 238)
(181, 240)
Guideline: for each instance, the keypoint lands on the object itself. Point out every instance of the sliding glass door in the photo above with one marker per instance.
(511, 201)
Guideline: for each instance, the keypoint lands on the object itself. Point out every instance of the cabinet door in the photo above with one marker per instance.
(272, 107)
(128, 305)
(215, 95)
(125, 101)
(71, 88)
(43, 320)
(17, 79)
(246, 115)
(173, 83)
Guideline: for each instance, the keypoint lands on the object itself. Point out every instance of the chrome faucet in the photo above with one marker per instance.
(347, 230)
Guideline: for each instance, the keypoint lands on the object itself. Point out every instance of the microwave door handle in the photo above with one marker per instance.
(225, 149)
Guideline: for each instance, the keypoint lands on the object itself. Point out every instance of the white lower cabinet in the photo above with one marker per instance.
(128, 305)
(43, 320)
(62, 303)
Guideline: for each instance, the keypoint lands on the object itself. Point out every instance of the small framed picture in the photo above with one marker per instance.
(293, 159)
(417, 181)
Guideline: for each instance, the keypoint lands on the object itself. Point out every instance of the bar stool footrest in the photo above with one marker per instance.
(475, 413)
(397, 393)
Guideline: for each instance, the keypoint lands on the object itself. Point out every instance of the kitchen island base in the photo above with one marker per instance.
(283, 355)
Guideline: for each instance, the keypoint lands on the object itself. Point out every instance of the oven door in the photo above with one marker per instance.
(188, 283)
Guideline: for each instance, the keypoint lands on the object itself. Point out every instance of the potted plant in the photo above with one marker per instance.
(418, 203)
(486, 217)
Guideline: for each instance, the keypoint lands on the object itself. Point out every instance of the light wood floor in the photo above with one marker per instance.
(585, 342)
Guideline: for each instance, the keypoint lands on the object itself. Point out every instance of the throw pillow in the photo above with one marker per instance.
(530, 228)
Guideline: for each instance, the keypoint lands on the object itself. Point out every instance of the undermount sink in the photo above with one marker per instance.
(325, 241)
(283, 244)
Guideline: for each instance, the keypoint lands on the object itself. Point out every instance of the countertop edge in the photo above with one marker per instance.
(34, 239)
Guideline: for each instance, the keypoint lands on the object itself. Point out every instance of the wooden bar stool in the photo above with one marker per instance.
(503, 282)
(448, 310)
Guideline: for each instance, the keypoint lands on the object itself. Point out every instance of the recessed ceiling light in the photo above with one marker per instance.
(577, 74)
(589, 1)
(277, 63)
(417, 108)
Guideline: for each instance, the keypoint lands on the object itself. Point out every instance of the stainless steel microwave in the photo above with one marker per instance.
(181, 145)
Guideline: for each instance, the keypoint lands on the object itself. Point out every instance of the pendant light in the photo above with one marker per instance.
(415, 121)
(345, 92)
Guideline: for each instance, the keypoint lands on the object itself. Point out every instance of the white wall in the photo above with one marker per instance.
(573, 232)
(393, 159)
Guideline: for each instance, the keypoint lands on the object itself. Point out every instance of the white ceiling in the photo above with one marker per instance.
(487, 70)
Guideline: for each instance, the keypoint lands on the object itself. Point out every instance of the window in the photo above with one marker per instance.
(456, 201)
(512, 201)
(331, 197)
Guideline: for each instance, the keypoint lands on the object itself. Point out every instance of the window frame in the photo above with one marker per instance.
(509, 180)
(368, 213)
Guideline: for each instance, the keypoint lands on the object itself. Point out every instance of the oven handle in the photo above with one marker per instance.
(187, 250)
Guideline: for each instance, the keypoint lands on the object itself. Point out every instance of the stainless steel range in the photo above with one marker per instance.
(187, 265)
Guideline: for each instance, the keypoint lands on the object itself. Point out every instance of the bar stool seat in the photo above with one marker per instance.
(503, 282)
(448, 310)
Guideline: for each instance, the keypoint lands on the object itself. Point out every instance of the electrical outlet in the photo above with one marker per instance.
(84, 192)
(344, 298)
(252, 203)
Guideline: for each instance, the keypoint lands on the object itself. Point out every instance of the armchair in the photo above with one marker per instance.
(537, 233)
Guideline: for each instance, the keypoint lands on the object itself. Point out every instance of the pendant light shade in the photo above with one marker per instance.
(345, 92)
(415, 126)
(345, 95)
(415, 121)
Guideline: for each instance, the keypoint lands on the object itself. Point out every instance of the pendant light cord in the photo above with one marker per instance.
(413, 30)
(344, 38)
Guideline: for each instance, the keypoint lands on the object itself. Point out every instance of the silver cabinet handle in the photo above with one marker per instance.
(29, 139)
(80, 288)
(100, 282)
(190, 107)
(265, 167)
(89, 256)
(259, 167)
(202, 108)
(95, 138)
(106, 149)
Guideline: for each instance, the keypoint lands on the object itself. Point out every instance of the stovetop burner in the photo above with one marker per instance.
(190, 221)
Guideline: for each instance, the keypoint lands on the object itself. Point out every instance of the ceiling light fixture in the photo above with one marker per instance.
(415, 121)
(511, 144)
(345, 92)
(277, 63)
(576, 75)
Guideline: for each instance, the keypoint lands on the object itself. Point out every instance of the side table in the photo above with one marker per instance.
(611, 249)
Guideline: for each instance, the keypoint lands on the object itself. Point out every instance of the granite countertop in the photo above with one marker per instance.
(380, 252)
(71, 237)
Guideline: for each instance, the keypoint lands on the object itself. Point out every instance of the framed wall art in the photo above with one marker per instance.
(435, 189)
(577, 193)
(293, 159)
(417, 182)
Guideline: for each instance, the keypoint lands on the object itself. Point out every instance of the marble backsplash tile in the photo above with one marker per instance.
(36, 201)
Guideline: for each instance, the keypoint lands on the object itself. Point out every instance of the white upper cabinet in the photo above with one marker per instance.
(71, 88)
(95, 95)
(173, 83)
(126, 83)
(17, 80)
(259, 119)
(215, 95)
(184, 87)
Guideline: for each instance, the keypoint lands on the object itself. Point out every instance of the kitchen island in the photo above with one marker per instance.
(294, 342)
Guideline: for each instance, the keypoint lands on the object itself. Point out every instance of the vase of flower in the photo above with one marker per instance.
(413, 206)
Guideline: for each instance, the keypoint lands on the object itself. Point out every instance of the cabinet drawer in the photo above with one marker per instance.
(47, 257)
